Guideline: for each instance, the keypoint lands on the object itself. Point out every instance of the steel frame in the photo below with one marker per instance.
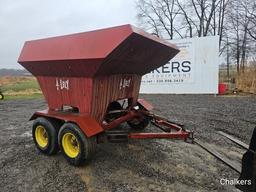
(170, 129)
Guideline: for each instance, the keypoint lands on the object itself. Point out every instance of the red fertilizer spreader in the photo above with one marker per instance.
(91, 83)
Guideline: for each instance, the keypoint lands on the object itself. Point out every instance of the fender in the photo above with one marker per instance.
(87, 124)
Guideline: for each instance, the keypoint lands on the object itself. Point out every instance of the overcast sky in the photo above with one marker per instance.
(22, 20)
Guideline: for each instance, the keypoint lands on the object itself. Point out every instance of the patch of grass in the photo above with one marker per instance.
(33, 96)
(20, 88)
(246, 81)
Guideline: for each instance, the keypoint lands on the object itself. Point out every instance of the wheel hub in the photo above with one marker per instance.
(41, 136)
(70, 145)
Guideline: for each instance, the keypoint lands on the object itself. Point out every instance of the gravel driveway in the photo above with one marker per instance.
(140, 165)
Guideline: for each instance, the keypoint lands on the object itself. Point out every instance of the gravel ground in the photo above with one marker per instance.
(140, 165)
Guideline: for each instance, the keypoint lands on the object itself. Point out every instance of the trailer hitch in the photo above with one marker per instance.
(170, 129)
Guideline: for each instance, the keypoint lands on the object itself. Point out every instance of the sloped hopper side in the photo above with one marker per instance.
(88, 70)
(118, 50)
(136, 55)
(75, 55)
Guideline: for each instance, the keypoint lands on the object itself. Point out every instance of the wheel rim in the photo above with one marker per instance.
(41, 136)
(70, 145)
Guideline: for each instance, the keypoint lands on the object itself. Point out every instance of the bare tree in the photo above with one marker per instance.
(203, 15)
(251, 14)
(189, 22)
(222, 12)
(183, 18)
(230, 19)
(241, 24)
(159, 16)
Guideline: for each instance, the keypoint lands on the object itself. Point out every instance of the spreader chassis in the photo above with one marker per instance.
(169, 129)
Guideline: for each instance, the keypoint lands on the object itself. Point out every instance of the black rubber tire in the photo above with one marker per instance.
(87, 145)
(1, 96)
(52, 131)
(139, 124)
(113, 106)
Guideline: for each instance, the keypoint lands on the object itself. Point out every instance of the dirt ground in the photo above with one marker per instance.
(140, 165)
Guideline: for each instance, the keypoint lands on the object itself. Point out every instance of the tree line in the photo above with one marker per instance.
(233, 20)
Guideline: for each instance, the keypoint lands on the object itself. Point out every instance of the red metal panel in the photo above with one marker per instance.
(90, 96)
(118, 50)
(71, 91)
(137, 55)
(152, 37)
(86, 45)
(67, 68)
(111, 88)
(88, 125)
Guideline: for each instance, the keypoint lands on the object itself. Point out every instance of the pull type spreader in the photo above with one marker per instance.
(91, 83)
